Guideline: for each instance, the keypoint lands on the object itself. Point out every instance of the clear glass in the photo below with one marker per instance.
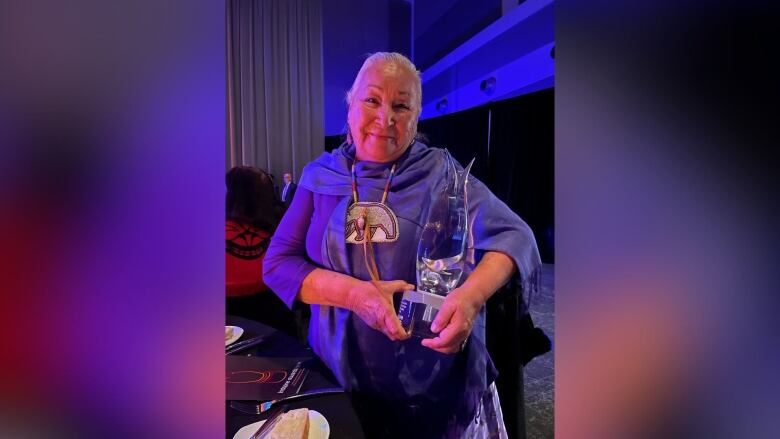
(441, 264)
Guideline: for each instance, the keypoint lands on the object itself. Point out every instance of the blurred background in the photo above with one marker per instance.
(488, 79)
(113, 134)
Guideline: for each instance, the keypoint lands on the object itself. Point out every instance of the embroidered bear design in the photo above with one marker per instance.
(383, 224)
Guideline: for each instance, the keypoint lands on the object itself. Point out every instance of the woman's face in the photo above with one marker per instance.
(383, 112)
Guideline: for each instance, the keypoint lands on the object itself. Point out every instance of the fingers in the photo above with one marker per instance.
(378, 311)
(443, 317)
(383, 295)
(448, 341)
(399, 286)
(453, 328)
(386, 321)
(390, 288)
(384, 318)
(393, 328)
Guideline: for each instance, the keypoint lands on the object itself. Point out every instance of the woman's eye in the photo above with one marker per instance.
(371, 100)
(402, 106)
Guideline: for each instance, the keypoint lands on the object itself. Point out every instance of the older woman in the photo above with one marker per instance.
(402, 386)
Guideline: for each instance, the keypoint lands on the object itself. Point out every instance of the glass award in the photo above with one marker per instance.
(441, 253)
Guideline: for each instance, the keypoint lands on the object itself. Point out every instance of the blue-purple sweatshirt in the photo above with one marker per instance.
(311, 235)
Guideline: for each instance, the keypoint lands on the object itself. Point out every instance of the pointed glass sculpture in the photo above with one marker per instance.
(441, 261)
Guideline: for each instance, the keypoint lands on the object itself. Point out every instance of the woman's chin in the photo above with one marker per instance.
(378, 150)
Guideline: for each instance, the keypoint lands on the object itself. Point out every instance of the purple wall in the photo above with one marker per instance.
(441, 26)
(350, 30)
(514, 51)
(457, 45)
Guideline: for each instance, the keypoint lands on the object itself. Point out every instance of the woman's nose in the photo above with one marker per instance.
(386, 116)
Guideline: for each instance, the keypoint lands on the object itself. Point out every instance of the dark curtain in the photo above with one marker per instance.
(464, 134)
(274, 84)
(333, 142)
(517, 163)
(521, 165)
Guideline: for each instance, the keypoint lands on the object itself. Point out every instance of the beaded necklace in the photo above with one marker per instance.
(387, 185)
(369, 222)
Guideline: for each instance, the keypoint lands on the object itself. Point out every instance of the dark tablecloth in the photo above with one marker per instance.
(337, 409)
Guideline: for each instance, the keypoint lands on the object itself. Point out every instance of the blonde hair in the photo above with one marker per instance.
(389, 57)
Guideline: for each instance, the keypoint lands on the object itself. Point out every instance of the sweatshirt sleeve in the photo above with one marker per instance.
(286, 264)
(495, 227)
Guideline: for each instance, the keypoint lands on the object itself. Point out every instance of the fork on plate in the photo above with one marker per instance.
(273, 417)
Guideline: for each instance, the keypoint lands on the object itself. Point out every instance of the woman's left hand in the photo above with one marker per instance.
(454, 321)
(456, 317)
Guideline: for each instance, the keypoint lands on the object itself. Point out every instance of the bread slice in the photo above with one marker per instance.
(292, 425)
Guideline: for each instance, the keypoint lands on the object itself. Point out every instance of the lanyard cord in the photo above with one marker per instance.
(387, 185)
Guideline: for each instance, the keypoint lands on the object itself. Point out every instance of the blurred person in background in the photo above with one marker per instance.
(288, 190)
(252, 214)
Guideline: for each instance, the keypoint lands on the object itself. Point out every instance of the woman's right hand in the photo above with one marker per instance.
(372, 301)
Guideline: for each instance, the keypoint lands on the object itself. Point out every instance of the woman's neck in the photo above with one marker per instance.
(380, 159)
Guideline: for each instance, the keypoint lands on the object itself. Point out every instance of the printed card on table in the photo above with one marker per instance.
(263, 379)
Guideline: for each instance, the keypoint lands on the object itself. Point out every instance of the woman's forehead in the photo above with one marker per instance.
(388, 74)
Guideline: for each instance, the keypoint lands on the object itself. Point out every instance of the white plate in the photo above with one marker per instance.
(318, 427)
(237, 332)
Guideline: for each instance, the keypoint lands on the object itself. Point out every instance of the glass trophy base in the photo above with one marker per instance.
(417, 311)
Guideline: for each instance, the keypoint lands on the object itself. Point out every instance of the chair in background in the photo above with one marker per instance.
(512, 341)
(252, 213)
